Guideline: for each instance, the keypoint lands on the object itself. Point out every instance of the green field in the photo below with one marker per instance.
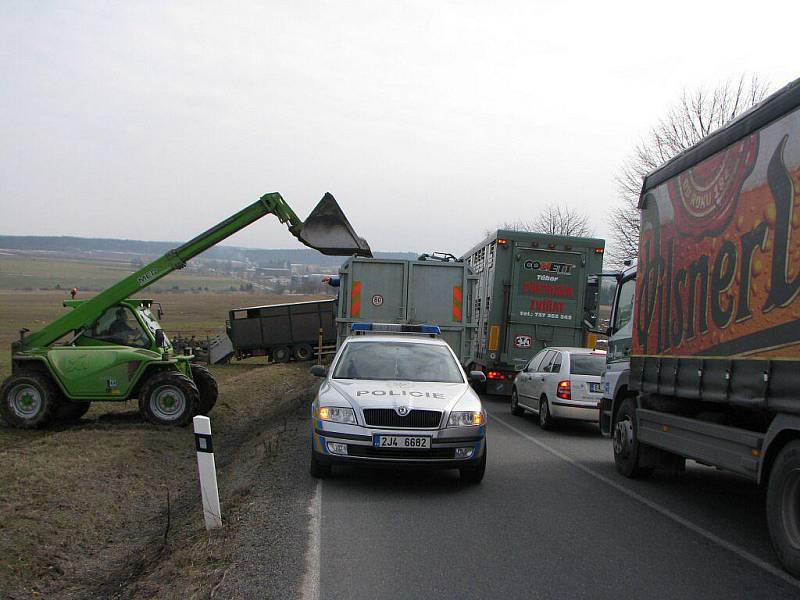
(28, 272)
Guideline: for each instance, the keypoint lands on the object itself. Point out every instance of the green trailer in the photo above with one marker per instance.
(112, 347)
(534, 290)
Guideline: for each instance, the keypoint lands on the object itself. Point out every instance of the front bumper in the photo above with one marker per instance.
(361, 450)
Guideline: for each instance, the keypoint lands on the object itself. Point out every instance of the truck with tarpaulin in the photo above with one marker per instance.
(534, 290)
(704, 350)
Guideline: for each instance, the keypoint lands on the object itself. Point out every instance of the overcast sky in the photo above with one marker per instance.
(429, 121)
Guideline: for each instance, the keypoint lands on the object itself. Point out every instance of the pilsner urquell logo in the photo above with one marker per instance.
(704, 197)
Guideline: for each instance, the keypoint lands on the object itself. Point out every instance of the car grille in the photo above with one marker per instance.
(373, 452)
(415, 419)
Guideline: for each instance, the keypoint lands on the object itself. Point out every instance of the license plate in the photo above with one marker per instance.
(401, 441)
(596, 388)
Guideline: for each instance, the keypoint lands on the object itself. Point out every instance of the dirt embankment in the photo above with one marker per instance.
(110, 508)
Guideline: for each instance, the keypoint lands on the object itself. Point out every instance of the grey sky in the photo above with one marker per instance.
(429, 121)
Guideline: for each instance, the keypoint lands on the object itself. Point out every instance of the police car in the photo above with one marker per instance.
(396, 395)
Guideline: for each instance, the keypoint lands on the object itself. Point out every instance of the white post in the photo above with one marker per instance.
(208, 472)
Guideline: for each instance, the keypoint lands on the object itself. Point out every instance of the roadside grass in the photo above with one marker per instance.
(83, 509)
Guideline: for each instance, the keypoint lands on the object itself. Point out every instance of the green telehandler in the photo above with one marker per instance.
(111, 347)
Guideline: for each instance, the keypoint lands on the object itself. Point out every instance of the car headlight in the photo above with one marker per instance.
(470, 418)
(337, 415)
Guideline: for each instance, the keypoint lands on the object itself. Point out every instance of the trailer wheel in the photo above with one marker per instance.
(169, 398)
(281, 354)
(29, 400)
(626, 444)
(206, 387)
(303, 352)
(70, 411)
(783, 507)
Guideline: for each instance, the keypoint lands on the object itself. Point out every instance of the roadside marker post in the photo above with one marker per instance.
(207, 469)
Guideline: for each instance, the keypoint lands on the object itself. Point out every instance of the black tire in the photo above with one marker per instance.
(281, 354)
(516, 409)
(546, 421)
(318, 469)
(168, 398)
(474, 475)
(303, 352)
(69, 411)
(29, 400)
(783, 507)
(207, 388)
(626, 443)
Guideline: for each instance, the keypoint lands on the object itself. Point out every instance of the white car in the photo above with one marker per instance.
(396, 395)
(560, 383)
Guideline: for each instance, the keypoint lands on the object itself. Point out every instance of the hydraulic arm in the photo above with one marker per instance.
(326, 229)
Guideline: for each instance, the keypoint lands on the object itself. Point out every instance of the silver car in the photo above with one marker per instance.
(560, 383)
(398, 398)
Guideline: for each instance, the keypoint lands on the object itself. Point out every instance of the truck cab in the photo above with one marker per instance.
(620, 335)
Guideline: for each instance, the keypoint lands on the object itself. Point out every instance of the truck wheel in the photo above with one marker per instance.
(516, 409)
(318, 469)
(207, 388)
(545, 418)
(29, 400)
(169, 398)
(474, 475)
(303, 352)
(783, 507)
(69, 411)
(281, 354)
(626, 444)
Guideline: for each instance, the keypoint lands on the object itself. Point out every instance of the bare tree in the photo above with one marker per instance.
(694, 116)
(554, 219)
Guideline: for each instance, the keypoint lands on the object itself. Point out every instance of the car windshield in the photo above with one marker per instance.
(398, 361)
(587, 364)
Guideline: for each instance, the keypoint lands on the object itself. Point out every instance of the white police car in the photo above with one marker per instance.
(396, 395)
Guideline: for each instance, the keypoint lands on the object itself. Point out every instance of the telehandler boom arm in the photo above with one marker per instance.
(326, 229)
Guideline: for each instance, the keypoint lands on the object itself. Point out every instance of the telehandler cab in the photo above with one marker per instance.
(111, 347)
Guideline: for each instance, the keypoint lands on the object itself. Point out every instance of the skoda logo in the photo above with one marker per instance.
(402, 410)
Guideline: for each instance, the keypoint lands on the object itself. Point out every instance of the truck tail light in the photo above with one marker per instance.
(564, 390)
(496, 375)
(599, 250)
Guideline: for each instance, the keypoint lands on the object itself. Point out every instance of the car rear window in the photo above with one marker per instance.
(587, 364)
(398, 361)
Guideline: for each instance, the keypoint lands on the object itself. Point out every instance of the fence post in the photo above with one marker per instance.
(208, 472)
(319, 348)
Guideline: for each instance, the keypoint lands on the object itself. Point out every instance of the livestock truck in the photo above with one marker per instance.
(704, 350)
(534, 290)
(436, 290)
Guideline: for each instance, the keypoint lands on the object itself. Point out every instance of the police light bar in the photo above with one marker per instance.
(396, 328)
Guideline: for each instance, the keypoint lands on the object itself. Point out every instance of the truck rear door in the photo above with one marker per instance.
(545, 301)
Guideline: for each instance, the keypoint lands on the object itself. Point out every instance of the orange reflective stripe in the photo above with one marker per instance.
(457, 296)
(356, 299)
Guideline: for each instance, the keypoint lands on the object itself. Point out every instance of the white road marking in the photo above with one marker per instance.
(310, 587)
(740, 552)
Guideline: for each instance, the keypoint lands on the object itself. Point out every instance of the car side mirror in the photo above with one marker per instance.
(477, 376)
(160, 338)
(319, 371)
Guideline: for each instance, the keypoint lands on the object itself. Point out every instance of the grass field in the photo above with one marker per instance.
(28, 272)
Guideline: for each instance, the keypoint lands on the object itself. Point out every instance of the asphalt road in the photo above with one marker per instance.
(552, 519)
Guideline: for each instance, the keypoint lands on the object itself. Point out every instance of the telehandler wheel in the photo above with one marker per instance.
(169, 398)
(783, 507)
(626, 444)
(281, 354)
(206, 387)
(303, 352)
(71, 412)
(29, 400)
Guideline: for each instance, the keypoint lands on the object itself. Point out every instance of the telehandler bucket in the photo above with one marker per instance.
(327, 229)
